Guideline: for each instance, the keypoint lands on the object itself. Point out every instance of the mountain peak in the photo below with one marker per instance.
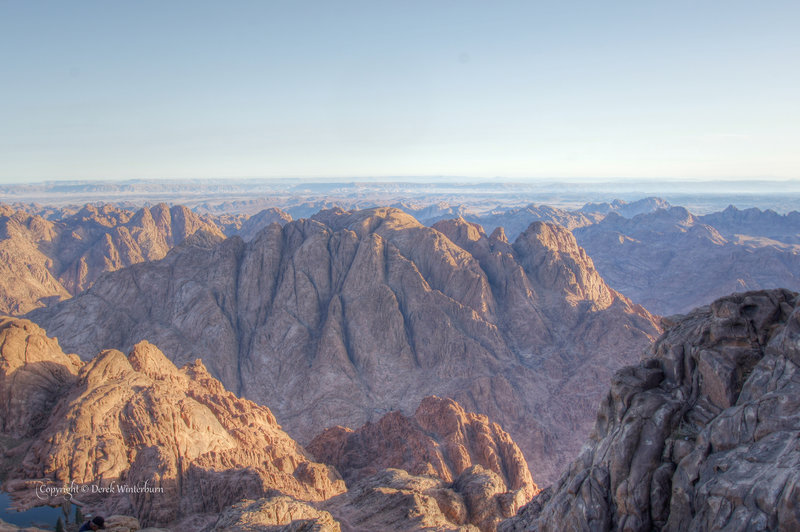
(148, 359)
(440, 440)
(552, 257)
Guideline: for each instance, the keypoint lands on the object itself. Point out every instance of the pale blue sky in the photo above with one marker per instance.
(118, 90)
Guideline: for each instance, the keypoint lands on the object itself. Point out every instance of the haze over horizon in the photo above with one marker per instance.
(538, 91)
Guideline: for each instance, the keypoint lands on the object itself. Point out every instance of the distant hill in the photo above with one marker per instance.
(671, 261)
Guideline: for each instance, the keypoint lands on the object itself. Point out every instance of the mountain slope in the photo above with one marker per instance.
(670, 261)
(756, 223)
(339, 319)
(139, 421)
(702, 436)
(44, 260)
(26, 271)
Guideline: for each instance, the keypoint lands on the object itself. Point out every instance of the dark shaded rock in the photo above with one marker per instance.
(702, 436)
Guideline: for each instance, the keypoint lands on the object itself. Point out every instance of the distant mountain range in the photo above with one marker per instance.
(248, 196)
(665, 258)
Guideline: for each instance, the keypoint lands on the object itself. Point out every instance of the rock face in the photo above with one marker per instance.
(440, 440)
(276, 514)
(395, 500)
(248, 226)
(476, 460)
(391, 500)
(122, 422)
(671, 261)
(256, 223)
(26, 279)
(33, 372)
(701, 436)
(42, 260)
(340, 319)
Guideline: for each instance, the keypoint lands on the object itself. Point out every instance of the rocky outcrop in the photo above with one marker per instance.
(27, 273)
(395, 500)
(340, 319)
(135, 435)
(274, 514)
(43, 260)
(440, 440)
(478, 463)
(702, 435)
(672, 261)
(390, 500)
(33, 373)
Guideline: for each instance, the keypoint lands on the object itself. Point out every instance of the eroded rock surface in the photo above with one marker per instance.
(274, 514)
(389, 500)
(339, 319)
(703, 435)
(120, 422)
(44, 260)
(440, 440)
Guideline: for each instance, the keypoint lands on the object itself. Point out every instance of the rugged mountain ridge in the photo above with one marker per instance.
(139, 421)
(338, 319)
(515, 221)
(44, 260)
(702, 435)
(51, 258)
(755, 222)
(671, 261)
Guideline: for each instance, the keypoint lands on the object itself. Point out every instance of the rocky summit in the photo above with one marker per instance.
(702, 435)
(135, 435)
(341, 318)
(441, 439)
(482, 471)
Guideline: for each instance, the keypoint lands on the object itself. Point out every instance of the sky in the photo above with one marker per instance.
(536, 89)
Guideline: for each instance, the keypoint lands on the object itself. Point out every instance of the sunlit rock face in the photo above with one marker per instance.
(130, 421)
(44, 260)
(441, 439)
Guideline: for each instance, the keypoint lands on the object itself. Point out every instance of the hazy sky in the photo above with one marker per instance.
(353, 89)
